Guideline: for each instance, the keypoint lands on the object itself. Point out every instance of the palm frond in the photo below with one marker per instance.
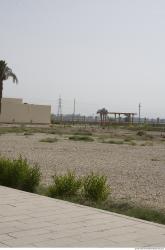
(9, 73)
(102, 111)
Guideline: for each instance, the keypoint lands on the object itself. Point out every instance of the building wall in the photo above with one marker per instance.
(15, 111)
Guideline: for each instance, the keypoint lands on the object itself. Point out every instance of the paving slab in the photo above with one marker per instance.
(31, 220)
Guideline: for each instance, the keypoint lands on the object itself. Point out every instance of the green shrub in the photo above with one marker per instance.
(18, 174)
(95, 187)
(50, 140)
(65, 185)
(81, 138)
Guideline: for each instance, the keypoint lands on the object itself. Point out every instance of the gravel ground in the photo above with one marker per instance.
(135, 173)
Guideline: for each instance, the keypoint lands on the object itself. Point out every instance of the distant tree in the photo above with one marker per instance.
(103, 115)
(5, 73)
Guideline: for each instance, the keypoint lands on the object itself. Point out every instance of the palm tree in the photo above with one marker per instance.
(5, 73)
(103, 115)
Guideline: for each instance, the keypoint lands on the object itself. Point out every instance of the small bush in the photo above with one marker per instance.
(18, 174)
(50, 140)
(141, 133)
(81, 138)
(96, 188)
(65, 185)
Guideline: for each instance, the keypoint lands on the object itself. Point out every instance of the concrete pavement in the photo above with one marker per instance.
(30, 220)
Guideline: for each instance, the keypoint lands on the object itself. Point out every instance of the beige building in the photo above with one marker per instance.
(15, 111)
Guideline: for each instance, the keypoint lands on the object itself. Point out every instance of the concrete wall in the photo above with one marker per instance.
(15, 111)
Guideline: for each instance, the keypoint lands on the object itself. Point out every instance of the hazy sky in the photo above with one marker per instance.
(104, 53)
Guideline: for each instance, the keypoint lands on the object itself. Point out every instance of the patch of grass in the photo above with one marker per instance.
(124, 208)
(49, 140)
(65, 185)
(19, 174)
(81, 138)
(132, 143)
(144, 135)
(2, 132)
(146, 214)
(28, 133)
(113, 142)
(128, 139)
(53, 132)
(92, 190)
(154, 159)
(147, 127)
(41, 190)
(147, 144)
(87, 133)
(24, 129)
(134, 211)
(96, 187)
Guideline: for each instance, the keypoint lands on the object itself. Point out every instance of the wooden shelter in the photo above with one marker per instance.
(129, 117)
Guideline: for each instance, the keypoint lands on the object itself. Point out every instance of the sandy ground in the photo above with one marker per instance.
(135, 173)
